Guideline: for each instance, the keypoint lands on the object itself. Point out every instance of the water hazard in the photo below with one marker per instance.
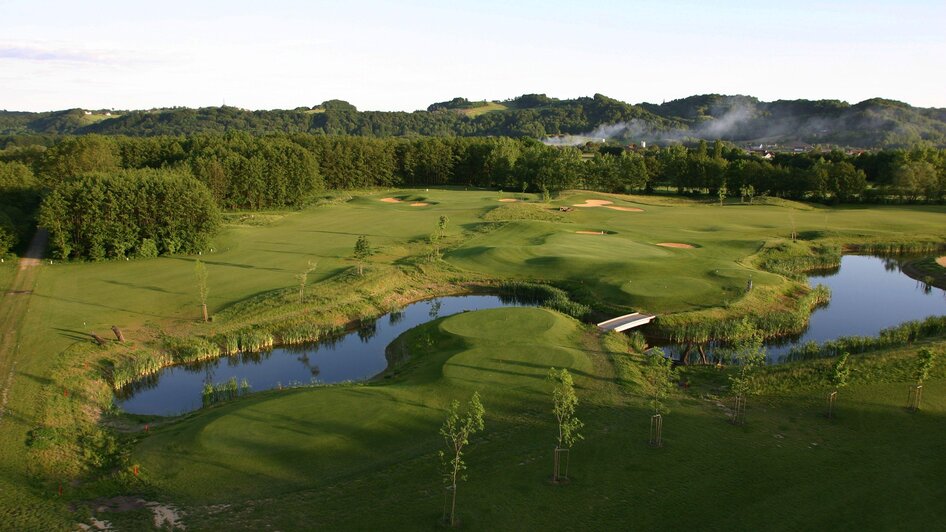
(356, 356)
(868, 294)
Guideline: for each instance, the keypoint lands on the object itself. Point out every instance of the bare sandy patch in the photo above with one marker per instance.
(675, 245)
(419, 204)
(390, 200)
(508, 200)
(590, 232)
(593, 203)
(26, 263)
(624, 209)
(165, 514)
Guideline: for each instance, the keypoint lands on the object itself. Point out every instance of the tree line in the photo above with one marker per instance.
(141, 213)
(242, 171)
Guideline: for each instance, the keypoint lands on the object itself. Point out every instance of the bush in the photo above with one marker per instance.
(8, 237)
(147, 249)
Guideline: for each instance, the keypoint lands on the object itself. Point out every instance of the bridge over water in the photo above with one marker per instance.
(627, 321)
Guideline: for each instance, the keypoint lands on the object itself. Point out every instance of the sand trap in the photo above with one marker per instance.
(675, 245)
(419, 204)
(508, 200)
(590, 232)
(941, 261)
(593, 203)
(625, 209)
(391, 200)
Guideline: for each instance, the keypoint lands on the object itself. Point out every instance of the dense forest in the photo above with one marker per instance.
(875, 123)
(119, 196)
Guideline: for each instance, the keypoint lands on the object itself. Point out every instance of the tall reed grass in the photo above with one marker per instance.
(544, 295)
(900, 335)
(700, 329)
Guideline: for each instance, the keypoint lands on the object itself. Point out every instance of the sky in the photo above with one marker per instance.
(407, 54)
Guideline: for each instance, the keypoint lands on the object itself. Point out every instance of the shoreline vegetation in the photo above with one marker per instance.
(278, 320)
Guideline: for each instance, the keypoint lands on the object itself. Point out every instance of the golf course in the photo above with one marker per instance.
(364, 454)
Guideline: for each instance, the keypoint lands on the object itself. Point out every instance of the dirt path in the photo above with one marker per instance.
(15, 300)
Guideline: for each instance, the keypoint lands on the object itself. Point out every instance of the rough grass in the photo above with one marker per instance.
(524, 211)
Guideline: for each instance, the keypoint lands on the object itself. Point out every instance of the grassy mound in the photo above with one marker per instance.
(283, 441)
(523, 211)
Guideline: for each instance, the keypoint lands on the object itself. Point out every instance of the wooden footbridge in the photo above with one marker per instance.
(627, 321)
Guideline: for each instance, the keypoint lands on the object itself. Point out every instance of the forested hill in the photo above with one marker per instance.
(869, 124)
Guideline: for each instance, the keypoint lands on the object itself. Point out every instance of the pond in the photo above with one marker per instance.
(868, 294)
(355, 356)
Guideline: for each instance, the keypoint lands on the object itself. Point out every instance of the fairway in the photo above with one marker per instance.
(270, 455)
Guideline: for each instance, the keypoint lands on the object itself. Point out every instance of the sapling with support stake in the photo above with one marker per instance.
(837, 376)
(456, 432)
(303, 278)
(442, 225)
(362, 252)
(751, 356)
(200, 270)
(658, 370)
(564, 404)
(924, 364)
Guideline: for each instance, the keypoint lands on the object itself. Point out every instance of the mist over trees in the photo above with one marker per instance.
(874, 123)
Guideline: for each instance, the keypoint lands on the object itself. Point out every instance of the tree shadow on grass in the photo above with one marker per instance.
(545, 368)
(540, 377)
(355, 234)
(108, 307)
(142, 287)
(229, 264)
(74, 335)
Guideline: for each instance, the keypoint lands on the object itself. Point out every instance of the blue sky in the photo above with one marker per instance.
(405, 55)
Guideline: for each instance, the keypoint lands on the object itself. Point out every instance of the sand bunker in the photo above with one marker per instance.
(941, 261)
(508, 200)
(675, 245)
(395, 200)
(590, 232)
(625, 209)
(593, 203)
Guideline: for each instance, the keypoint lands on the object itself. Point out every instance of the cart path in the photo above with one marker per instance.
(15, 302)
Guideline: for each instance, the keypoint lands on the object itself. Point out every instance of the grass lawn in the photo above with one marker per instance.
(345, 446)
(483, 109)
